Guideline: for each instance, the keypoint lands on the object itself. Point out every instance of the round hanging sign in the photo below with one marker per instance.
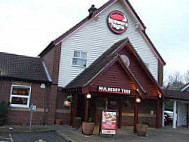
(117, 22)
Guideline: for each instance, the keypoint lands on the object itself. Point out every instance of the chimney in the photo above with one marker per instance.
(91, 10)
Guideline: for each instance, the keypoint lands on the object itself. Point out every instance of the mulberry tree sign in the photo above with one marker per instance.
(117, 22)
(113, 90)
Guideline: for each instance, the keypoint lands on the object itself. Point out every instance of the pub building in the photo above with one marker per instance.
(106, 61)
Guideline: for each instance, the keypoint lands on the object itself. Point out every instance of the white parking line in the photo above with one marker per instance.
(4, 138)
(11, 138)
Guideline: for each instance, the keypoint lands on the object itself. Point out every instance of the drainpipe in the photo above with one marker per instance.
(45, 104)
(174, 114)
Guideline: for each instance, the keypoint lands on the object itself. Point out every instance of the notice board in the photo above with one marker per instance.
(109, 122)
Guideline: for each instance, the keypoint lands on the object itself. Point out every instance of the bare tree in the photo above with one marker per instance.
(175, 81)
(186, 77)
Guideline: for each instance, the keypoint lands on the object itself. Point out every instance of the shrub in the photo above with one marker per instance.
(3, 109)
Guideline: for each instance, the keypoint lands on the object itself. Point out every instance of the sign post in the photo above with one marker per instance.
(32, 109)
(109, 122)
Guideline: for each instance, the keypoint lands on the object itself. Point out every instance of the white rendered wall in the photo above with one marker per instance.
(182, 119)
(95, 38)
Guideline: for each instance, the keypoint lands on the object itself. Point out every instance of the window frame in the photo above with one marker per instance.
(80, 57)
(20, 96)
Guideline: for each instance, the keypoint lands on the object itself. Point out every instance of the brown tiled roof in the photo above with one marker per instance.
(174, 94)
(22, 68)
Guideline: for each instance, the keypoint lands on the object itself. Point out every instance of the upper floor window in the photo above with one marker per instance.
(80, 58)
(20, 96)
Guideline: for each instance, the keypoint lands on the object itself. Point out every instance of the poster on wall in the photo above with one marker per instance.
(109, 122)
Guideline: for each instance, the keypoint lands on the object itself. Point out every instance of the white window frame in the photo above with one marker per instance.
(20, 96)
(79, 58)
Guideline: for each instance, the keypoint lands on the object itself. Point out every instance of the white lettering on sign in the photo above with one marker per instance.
(113, 90)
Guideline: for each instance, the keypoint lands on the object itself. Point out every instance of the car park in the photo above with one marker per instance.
(168, 118)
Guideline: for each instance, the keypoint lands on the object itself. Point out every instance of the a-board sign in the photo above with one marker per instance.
(109, 122)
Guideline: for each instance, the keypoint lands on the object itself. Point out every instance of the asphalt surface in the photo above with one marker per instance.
(31, 137)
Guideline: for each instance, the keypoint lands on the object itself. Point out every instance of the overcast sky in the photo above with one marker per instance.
(28, 26)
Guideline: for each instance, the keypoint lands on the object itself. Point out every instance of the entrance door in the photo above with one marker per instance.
(102, 103)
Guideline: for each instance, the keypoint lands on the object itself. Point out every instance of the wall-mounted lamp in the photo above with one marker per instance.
(137, 89)
(67, 103)
(160, 96)
(42, 85)
(138, 100)
(88, 96)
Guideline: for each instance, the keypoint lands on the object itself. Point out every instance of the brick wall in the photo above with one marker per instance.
(5, 87)
(62, 112)
(52, 61)
(21, 115)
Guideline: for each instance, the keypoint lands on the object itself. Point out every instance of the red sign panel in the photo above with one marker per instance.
(117, 22)
(109, 124)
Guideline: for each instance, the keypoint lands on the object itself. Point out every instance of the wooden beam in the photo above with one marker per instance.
(86, 109)
(73, 112)
(135, 115)
(158, 113)
(75, 106)
(162, 118)
(120, 112)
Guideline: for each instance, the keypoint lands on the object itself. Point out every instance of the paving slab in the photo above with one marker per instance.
(125, 135)
(35, 128)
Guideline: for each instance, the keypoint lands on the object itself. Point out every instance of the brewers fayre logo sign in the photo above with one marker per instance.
(117, 22)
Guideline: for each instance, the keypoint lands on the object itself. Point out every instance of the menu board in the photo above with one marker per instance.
(109, 122)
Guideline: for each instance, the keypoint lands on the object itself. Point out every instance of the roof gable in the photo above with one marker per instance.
(105, 61)
(95, 14)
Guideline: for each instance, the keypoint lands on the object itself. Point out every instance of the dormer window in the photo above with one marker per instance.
(79, 59)
(125, 60)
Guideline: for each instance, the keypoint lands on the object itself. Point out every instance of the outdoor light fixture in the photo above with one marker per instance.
(88, 96)
(42, 85)
(137, 89)
(138, 100)
(159, 96)
(67, 103)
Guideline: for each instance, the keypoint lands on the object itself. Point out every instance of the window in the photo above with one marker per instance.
(20, 96)
(80, 58)
(125, 60)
